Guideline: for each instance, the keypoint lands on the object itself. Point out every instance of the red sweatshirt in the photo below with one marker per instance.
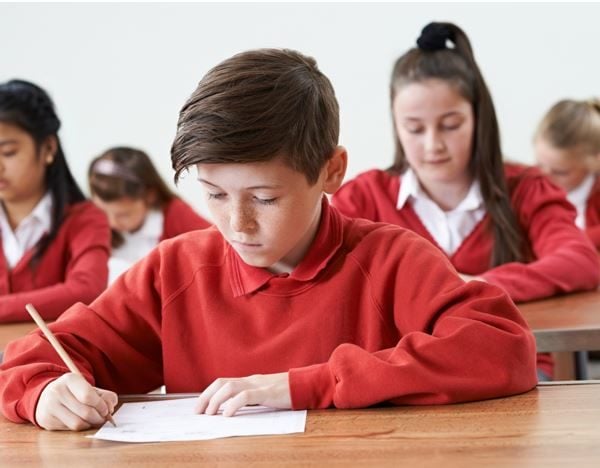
(592, 215)
(73, 268)
(565, 260)
(373, 313)
(179, 217)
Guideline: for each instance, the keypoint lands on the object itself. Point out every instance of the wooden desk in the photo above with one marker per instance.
(554, 425)
(565, 323)
(12, 331)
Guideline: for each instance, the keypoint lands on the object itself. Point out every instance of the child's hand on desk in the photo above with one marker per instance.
(271, 390)
(71, 403)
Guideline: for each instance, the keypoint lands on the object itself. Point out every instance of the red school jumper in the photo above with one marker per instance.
(179, 217)
(565, 261)
(592, 214)
(73, 268)
(373, 313)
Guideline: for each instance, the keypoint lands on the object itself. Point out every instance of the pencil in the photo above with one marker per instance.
(58, 347)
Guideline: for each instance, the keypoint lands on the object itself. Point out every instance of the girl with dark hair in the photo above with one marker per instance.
(501, 223)
(54, 244)
(567, 148)
(141, 209)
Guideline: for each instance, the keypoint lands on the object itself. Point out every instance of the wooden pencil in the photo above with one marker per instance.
(58, 347)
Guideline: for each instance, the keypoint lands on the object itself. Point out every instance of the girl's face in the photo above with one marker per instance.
(125, 214)
(566, 167)
(22, 165)
(435, 125)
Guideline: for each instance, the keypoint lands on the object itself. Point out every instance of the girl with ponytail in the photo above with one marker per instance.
(497, 222)
(567, 148)
(54, 245)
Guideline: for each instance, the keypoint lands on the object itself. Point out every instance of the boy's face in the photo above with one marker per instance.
(267, 211)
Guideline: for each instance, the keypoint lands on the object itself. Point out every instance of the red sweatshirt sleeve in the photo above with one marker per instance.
(115, 342)
(565, 260)
(593, 233)
(459, 341)
(86, 270)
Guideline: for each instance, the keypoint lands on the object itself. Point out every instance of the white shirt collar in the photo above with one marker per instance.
(151, 229)
(410, 187)
(582, 192)
(41, 213)
(579, 196)
(139, 243)
(29, 231)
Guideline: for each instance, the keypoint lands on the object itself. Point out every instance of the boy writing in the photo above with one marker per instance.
(285, 303)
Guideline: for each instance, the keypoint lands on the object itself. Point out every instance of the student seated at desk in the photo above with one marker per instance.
(567, 148)
(285, 302)
(141, 209)
(54, 245)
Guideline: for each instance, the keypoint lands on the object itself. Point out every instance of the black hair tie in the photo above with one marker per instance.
(434, 36)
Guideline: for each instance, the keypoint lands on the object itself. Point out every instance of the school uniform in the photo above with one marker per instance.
(372, 313)
(176, 217)
(564, 259)
(586, 199)
(72, 268)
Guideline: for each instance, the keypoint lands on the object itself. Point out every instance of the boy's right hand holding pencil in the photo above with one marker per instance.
(71, 403)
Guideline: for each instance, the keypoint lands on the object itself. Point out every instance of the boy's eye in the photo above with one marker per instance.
(266, 201)
(215, 196)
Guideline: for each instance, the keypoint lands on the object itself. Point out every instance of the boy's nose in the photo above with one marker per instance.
(242, 219)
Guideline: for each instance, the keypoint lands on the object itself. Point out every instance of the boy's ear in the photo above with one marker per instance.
(335, 170)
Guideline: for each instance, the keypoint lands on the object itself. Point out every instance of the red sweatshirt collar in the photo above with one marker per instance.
(246, 279)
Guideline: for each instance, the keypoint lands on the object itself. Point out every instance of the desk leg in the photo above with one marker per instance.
(581, 365)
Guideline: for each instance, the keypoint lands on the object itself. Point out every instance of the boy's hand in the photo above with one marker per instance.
(71, 403)
(269, 390)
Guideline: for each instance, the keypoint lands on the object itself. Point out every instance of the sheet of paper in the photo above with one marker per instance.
(175, 420)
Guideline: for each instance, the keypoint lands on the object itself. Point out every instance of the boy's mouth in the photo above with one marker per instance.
(245, 245)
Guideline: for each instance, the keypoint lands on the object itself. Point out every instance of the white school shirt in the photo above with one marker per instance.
(29, 231)
(579, 197)
(137, 244)
(448, 228)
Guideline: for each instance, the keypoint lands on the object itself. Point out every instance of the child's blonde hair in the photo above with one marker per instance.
(573, 125)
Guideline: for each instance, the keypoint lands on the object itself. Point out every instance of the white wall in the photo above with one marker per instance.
(119, 73)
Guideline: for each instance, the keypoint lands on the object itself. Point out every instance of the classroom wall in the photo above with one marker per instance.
(119, 73)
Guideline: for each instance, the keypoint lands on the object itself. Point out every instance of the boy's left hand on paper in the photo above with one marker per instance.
(231, 394)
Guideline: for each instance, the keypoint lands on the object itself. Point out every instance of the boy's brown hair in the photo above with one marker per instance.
(256, 106)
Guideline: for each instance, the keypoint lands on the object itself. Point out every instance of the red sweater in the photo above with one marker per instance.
(73, 268)
(179, 217)
(592, 215)
(373, 313)
(565, 260)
